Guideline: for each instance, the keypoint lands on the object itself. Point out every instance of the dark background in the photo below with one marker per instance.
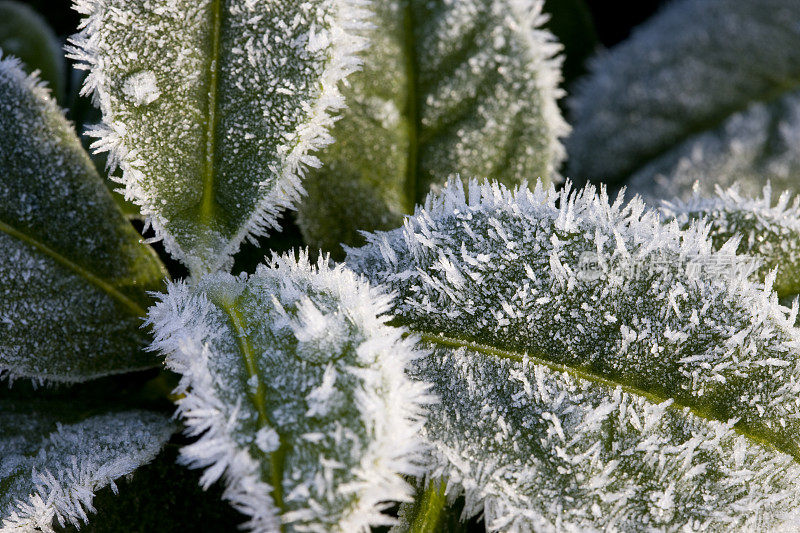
(166, 497)
(613, 19)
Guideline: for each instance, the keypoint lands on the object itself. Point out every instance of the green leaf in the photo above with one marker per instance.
(596, 368)
(296, 387)
(25, 34)
(73, 273)
(54, 456)
(440, 80)
(706, 90)
(766, 232)
(212, 108)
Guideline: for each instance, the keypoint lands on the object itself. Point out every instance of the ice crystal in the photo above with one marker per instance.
(296, 387)
(765, 231)
(53, 459)
(539, 448)
(672, 92)
(212, 109)
(73, 273)
(630, 308)
(457, 86)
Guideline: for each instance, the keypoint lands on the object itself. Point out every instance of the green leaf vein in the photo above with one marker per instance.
(109, 289)
(592, 377)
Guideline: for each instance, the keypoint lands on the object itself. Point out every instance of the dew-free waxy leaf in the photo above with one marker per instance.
(706, 90)
(211, 108)
(73, 272)
(465, 87)
(297, 389)
(596, 367)
(54, 457)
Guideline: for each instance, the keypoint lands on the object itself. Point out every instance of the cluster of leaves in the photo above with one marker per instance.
(547, 358)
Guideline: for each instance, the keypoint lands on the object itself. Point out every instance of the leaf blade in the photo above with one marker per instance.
(74, 267)
(214, 155)
(766, 232)
(439, 79)
(685, 79)
(588, 466)
(599, 293)
(297, 387)
(55, 458)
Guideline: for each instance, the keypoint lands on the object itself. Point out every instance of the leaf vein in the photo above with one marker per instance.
(78, 269)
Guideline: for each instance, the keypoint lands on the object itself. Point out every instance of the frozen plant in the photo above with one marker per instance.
(448, 360)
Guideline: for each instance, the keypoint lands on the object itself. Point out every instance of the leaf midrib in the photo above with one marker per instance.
(207, 207)
(238, 322)
(584, 374)
(89, 276)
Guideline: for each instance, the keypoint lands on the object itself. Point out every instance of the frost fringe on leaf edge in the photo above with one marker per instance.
(390, 455)
(543, 49)
(561, 208)
(68, 500)
(786, 210)
(346, 43)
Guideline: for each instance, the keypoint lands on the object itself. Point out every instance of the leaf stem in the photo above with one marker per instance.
(428, 509)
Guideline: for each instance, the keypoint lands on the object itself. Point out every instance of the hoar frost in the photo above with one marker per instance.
(661, 317)
(52, 462)
(214, 136)
(296, 387)
(767, 231)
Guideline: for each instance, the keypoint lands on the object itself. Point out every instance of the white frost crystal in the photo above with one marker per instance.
(597, 368)
(212, 109)
(53, 459)
(767, 232)
(141, 88)
(322, 439)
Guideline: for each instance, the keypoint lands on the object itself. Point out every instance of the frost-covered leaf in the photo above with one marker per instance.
(541, 448)
(212, 108)
(73, 272)
(53, 457)
(770, 233)
(707, 89)
(25, 34)
(178, 504)
(297, 389)
(447, 87)
(596, 367)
